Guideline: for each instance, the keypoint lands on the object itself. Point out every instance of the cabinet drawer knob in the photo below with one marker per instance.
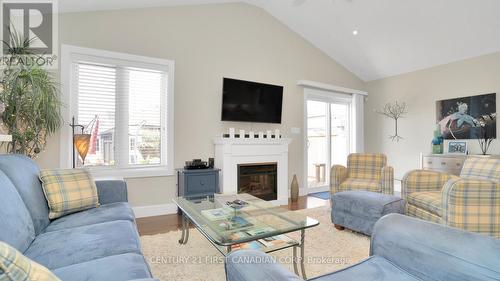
(202, 183)
(443, 163)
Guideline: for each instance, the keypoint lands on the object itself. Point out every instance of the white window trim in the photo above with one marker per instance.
(68, 110)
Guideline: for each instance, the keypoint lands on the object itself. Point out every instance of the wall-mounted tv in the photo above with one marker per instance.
(246, 101)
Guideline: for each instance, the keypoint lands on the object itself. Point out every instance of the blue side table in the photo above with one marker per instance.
(197, 182)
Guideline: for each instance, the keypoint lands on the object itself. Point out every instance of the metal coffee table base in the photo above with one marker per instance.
(296, 260)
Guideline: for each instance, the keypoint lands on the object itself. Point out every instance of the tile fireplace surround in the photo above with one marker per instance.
(231, 152)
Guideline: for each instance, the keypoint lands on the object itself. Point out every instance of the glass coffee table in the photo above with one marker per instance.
(242, 221)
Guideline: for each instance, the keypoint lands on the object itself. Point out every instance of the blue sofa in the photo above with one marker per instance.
(402, 249)
(96, 244)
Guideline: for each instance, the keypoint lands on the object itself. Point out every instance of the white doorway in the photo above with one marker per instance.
(329, 135)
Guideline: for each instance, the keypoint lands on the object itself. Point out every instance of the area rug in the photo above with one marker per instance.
(326, 249)
(325, 195)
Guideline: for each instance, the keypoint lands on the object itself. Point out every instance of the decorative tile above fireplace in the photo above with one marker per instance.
(233, 154)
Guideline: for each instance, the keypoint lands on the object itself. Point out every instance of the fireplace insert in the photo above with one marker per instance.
(259, 180)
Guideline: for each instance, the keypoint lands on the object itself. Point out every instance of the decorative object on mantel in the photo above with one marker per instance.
(294, 189)
(252, 135)
(437, 141)
(464, 118)
(30, 96)
(395, 111)
(485, 134)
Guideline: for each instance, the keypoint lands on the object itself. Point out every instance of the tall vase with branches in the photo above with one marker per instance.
(31, 99)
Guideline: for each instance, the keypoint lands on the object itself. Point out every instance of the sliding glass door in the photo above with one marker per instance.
(328, 137)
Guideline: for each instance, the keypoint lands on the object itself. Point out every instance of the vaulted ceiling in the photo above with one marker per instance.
(393, 36)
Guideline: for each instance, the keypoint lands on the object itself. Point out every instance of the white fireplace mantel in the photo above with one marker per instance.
(231, 152)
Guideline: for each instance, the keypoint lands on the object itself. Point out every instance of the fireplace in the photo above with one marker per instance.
(259, 180)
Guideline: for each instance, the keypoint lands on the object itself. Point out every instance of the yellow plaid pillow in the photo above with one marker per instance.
(14, 266)
(68, 191)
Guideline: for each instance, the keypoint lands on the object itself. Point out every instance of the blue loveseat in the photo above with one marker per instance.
(96, 244)
(402, 249)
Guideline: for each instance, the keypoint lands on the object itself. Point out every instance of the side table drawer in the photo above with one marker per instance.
(442, 163)
(201, 184)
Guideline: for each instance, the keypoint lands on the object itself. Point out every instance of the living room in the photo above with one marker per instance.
(311, 121)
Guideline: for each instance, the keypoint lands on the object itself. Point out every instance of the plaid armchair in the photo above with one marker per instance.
(364, 171)
(470, 202)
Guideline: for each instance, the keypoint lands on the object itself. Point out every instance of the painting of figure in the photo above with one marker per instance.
(467, 117)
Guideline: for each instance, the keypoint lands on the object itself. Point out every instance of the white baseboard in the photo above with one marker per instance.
(155, 210)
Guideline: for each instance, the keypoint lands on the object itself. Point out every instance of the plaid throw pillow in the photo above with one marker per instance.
(68, 191)
(14, 266)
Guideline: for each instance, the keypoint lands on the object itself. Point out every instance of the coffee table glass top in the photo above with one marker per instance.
(233, 219)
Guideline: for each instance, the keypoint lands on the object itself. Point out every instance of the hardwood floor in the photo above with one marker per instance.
(166, 223)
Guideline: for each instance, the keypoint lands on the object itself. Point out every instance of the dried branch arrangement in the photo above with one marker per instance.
(394, 111)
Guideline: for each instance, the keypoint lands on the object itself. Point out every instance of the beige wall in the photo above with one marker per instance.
(420, 90)
(207, 43)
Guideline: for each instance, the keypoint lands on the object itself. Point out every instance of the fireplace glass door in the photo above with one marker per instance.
(259, 180)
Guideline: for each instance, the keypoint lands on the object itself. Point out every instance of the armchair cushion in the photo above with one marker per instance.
(366, 165)
(427, 200)
(481, 168)
(420, 213)
(360, 184)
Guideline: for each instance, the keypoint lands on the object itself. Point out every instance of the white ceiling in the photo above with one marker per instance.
(395, 36)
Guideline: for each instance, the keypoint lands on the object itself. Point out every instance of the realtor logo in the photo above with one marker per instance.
(29, 32)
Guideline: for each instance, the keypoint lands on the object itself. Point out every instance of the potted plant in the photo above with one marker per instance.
(31, 100)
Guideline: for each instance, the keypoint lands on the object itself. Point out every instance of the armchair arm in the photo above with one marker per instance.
(338, 174)
(111, 191)
(473, 205)
(387, 181)
(251, 265)
(423, 180)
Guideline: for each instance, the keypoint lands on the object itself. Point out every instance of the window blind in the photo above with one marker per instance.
(128, 107)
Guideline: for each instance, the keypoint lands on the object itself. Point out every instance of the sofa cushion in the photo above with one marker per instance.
(373, 268)
(16, 225)
(105, 213)
(15, 266)
(360, 184)
(68, 191)
(427, 200)
(80, 244)
(113, 268)
(23, 172)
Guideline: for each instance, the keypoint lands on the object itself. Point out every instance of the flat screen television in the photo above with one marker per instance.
(246, 101)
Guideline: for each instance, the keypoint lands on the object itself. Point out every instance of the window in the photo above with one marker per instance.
(125, 102)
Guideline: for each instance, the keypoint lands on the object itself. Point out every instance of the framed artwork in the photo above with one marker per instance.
(468, 117)
(456, 147)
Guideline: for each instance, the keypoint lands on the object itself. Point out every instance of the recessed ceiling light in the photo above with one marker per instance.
(354, 32)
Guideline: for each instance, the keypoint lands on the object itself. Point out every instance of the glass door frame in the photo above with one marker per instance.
(329, 98)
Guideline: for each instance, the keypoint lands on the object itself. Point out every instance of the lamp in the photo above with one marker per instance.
(80, 141)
